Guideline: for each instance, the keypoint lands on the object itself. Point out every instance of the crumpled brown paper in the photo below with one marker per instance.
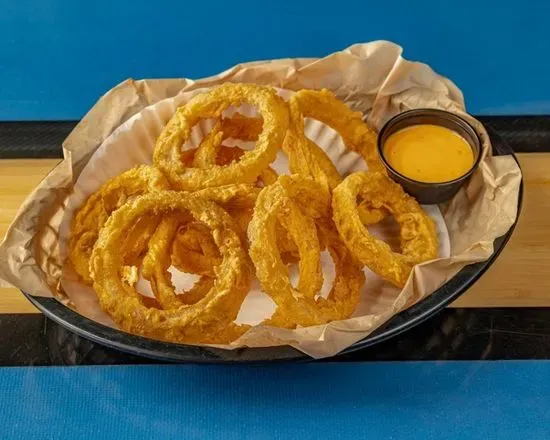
(372, 78)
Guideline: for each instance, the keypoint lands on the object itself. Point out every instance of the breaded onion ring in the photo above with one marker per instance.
(418, 235)
(211, 104)
(158, 258)
(236, 127)
(93, 214)
(224, 155)
(284, 201)
(194, 250)
(309, 160)
(211, 152)
(304, 156)
(356, 134)
(191, 245)
(210, 320)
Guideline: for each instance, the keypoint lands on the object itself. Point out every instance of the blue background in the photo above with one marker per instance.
(429, 400)
(57, 57)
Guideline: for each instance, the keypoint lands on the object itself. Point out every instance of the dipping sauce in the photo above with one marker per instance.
(429, 153)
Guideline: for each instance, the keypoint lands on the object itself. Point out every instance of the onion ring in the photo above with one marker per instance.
(210, 320)
(241, 127)
(237, 127)
(307, 159)
(191, 245)
(211, 152)
(304, 156)
(284, 200)
(326, 108)
(93, 214)
(158, 258)
(211, 104)
(418, 235)
(224, 156)
(194, 250)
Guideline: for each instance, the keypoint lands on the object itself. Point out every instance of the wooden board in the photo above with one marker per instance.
(17, 179)
(519, 278)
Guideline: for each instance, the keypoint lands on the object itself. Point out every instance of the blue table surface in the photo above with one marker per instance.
(58, 56)
(424, 400)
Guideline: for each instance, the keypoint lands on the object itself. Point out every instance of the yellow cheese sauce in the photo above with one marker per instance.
(429, 153)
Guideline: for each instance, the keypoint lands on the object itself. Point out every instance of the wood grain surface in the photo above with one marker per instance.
(519, 278)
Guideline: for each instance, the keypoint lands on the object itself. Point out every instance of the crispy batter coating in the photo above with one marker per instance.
(211, 104)
(236, 127)
(209, 320)
(194, 250)
(191, 245)
(307, 159)
(357, 136)
(304, 156)
(418, 236)
(160, 247)
(300, 306)
(91, 217)
(225, 156)
(211, 152)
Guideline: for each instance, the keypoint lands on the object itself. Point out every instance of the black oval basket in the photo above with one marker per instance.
(405, 320)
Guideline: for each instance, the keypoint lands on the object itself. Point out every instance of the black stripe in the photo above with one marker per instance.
(453, 334)
(43, 139)
(525, 134)
(25, 140)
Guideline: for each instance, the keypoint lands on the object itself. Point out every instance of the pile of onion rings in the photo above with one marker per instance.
(222, 213)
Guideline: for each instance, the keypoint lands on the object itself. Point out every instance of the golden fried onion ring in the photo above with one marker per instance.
(207, 155)
(357, 135)
(194, 250)
(207, 321)
(304, 156)
(157, 261)
(191, 245)
(309, 160)
(284, 201)
(212, 152)
(418, 235)
(211, 104)
(236, 127)
(93, 214)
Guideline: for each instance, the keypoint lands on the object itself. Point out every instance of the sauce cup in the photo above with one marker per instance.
(430, 193)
